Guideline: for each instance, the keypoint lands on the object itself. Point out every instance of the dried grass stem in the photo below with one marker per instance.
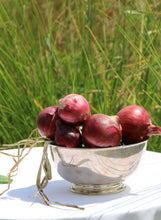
(44, 165)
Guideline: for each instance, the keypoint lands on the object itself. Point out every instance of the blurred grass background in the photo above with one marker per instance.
(108, 51)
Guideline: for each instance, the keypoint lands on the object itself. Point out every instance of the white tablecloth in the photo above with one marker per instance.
(140, 201)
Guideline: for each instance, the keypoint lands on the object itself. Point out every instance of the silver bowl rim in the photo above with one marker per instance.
(100, 148)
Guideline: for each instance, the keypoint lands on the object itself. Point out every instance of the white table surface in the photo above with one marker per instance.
(140, 201)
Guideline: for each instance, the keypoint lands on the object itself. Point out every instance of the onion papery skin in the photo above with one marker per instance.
(136, 124)
(67, 135)
(46, 122)
(73, 109)
(101, 130)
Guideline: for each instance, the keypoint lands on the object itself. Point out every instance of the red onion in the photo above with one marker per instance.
(73, 109)
(46, 122)
(67, 135)
(136, 124)
(101, 130)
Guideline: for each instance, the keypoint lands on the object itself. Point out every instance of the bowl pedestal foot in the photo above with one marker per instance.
(88, 189)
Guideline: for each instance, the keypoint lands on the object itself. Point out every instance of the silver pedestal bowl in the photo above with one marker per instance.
(97, 170)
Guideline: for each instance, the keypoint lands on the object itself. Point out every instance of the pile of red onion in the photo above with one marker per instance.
(70, 124)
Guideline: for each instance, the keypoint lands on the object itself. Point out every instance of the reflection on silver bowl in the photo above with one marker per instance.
(97, 170)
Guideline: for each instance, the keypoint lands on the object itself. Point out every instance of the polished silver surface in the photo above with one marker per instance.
(97, 170)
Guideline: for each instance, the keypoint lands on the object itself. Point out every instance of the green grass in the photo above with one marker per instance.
(108, 51)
